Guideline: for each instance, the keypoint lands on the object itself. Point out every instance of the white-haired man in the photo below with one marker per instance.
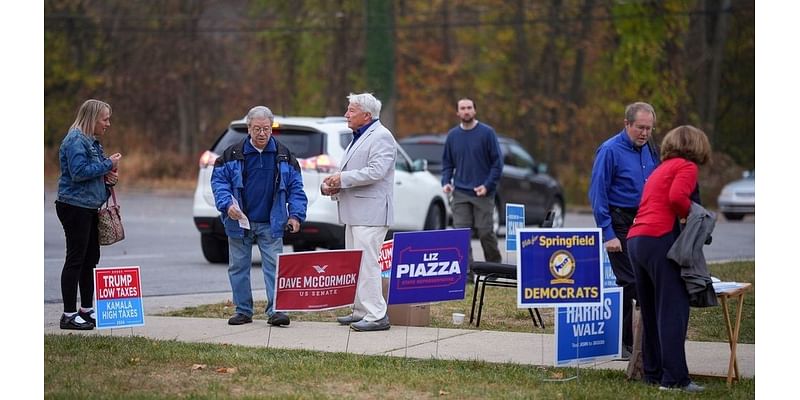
(365, 192)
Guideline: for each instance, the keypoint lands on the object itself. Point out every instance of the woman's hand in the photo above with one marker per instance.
(115, 160)
(111, 178)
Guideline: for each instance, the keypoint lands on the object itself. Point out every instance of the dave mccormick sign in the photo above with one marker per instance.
(429, 266)
(316, 280)
(559, 267)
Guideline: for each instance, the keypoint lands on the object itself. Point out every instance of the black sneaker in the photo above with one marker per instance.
(278, 319)
(240, 319)
(70, 323)
(87, 316)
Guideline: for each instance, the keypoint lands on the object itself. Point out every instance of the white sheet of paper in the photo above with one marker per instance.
(244, 223)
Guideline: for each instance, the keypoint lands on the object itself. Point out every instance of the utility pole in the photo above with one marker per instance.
(380, 56)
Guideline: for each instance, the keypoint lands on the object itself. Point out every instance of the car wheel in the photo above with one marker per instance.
(435, 219)
(733, 216)
(214, 249)
(558, 214)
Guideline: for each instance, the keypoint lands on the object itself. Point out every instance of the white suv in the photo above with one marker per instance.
(319, 144)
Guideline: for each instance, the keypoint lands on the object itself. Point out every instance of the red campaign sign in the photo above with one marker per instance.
(385, 256)
(317, 280)
(117, 283)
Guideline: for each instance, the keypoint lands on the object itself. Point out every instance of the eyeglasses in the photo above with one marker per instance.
(261, 129)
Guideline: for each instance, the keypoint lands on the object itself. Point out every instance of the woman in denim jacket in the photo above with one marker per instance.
(86, 175)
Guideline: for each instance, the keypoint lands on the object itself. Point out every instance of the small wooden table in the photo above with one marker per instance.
(733, 331)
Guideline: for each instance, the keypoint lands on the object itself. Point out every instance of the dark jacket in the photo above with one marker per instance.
(289, 199)
(687, 251)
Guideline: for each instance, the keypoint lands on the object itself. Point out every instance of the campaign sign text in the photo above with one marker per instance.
(118, 296)
(589, 333)
(609, 279)
(515, 220)
(429, 266)
(316, 280)
(559, 266)
(385, 258)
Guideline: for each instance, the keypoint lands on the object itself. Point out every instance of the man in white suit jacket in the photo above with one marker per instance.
(365, 192)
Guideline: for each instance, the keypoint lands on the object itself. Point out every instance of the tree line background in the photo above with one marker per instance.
(555, 75)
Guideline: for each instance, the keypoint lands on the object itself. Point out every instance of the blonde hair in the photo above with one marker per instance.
(686, 142)
(88, 115)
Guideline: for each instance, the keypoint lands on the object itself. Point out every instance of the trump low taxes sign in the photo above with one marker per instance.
(118, 296)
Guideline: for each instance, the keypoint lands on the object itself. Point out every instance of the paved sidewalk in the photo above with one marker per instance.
(704, 358)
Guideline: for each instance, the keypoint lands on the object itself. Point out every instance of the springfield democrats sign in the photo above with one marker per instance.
(559, 267)
(429, 266)
(316, 280)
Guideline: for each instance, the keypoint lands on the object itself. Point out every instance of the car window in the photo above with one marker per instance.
(303, 144)
(402, 163)
(428, 151)
(345, 138)
(233, 135)
(521, 157)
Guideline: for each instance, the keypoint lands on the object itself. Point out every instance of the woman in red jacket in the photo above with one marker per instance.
(661, 292)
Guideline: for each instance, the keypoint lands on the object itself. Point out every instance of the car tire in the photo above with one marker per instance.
(435, 219)
(214, 249)
(733, 216)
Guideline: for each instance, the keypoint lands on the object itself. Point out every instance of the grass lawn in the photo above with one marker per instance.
(500, 310)
(85, 367)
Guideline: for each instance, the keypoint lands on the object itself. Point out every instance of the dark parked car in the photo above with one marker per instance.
(524, 181)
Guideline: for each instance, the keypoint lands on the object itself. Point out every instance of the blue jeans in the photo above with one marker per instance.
(240, 261)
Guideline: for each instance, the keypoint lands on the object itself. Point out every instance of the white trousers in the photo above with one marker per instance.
(369, 303)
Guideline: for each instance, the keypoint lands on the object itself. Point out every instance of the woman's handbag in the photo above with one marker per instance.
(109, 222)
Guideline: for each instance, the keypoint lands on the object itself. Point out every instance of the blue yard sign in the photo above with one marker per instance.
(559, 266)
(515, 220)
(609, 279)
(429, 266)
(589, 333)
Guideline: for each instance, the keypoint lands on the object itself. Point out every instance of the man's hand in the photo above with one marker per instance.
(294, 225)
(234, 212)
(613, 246)
(334, 181)
(447, 188)
(480, 191)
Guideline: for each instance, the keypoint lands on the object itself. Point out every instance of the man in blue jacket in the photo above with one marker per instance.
(258, 188)
(622, 164)
(472, 164)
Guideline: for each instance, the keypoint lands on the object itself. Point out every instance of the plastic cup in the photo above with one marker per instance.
(458, 318)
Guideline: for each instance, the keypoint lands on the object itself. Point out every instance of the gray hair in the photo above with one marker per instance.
(259, 112)
(367, 102)
(632, 109)
(88, 115)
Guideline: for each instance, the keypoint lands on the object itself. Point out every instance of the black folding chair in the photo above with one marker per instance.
(502, 275)
(496, 274)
